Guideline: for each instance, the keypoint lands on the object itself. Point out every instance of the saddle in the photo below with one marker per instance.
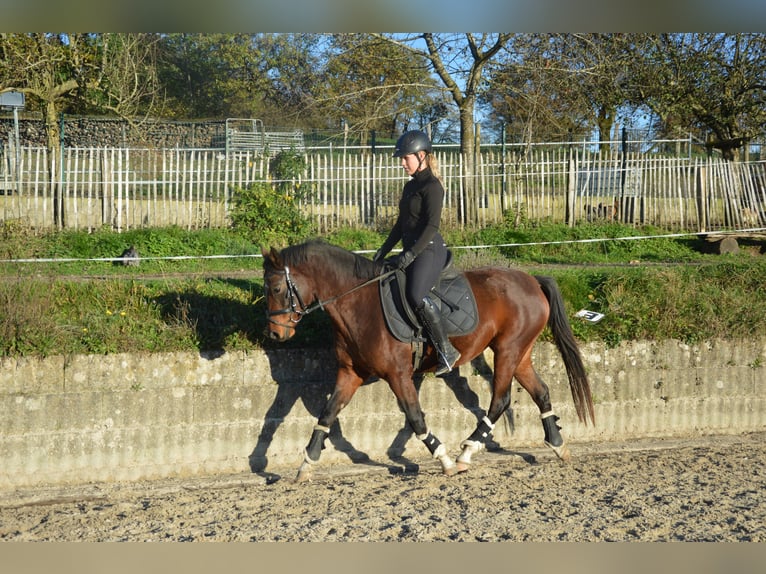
(452, 295)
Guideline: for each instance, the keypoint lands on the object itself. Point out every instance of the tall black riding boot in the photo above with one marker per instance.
(431, 320)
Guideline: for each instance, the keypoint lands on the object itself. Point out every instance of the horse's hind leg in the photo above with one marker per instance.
(501, 399)
(538, 390)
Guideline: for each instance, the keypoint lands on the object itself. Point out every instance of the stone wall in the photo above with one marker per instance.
(110, 132)
(69, 420)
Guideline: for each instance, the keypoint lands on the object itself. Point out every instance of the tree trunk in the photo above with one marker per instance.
(604, 121)
(469, 212)
(51, 138)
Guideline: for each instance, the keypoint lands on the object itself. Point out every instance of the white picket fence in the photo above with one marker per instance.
(193, 188)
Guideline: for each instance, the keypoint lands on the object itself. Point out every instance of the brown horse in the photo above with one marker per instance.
(513, 309)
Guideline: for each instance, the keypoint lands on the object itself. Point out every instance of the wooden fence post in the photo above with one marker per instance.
(701, 184)
(106, 189)
(571, 191)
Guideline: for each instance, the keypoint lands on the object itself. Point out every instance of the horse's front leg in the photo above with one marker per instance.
(346, 384)
(407, 397)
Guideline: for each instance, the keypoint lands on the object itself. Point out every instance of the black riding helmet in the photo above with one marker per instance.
(412, 142)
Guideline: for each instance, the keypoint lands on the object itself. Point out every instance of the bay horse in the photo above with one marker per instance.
(513, 308)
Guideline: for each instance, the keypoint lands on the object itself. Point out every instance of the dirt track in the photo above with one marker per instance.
(703, 489)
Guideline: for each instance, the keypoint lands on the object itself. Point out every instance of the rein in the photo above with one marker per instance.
(294, 295)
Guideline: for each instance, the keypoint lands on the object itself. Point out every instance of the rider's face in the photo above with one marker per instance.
(413, 162)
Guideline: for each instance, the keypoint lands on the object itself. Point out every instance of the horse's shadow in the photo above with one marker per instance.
(468, 398)
(216, 319)
(314, 397)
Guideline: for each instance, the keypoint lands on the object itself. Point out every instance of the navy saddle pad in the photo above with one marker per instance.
(452, 294)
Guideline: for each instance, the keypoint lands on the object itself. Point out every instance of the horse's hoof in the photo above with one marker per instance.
(303, 476)
(561, 451)
(304, 473)
(448, 465)
(450, 470)
(462, 466)
(470, 447)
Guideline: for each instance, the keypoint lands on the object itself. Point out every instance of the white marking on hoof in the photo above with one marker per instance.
(448, 465)
(304, 474)
(306, 470)
(561, 451)
(470, 447)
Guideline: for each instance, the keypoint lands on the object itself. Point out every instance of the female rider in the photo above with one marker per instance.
(424, 252)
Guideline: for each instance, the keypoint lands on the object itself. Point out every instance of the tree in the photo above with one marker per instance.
(61, 72)
(210, 75)
(711, 84)
(459, 61)
(552, 84)
(291, 65)
(533, 94)
(374, 85)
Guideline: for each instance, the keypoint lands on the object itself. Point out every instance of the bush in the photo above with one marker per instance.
(270, 214)
(265, 216)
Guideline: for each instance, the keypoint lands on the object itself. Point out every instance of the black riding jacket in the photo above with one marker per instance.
(420, 210)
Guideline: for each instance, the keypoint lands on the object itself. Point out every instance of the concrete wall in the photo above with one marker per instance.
(69, 420)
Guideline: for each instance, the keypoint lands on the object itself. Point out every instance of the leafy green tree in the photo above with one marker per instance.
(271, 77)
(292, 65)
(112, 73)
(373, 84)
(211, 75)
(711, 84)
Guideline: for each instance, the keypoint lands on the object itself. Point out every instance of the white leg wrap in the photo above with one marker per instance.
(448, 465)
(322, 428)
(547, 414)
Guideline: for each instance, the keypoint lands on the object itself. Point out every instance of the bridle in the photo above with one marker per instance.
(296, 308)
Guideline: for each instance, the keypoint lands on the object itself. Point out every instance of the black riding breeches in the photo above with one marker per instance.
(424, 271)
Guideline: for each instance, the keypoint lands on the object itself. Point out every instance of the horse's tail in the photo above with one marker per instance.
(567, 346)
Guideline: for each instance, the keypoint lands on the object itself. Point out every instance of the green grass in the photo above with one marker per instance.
(647, 288)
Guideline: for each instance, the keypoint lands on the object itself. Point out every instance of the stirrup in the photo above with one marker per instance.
(444, 365)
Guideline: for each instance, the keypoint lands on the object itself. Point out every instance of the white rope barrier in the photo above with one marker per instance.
(363, 251)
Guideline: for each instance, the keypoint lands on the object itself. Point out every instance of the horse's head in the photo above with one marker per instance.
(284, 306)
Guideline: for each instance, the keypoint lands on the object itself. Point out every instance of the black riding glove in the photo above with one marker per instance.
(404, 259)
(378, 257)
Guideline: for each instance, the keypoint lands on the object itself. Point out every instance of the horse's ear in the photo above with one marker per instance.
(272, 255)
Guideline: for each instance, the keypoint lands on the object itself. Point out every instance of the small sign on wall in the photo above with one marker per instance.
(590, 316)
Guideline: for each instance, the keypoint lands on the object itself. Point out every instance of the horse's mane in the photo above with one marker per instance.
(333, 259)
